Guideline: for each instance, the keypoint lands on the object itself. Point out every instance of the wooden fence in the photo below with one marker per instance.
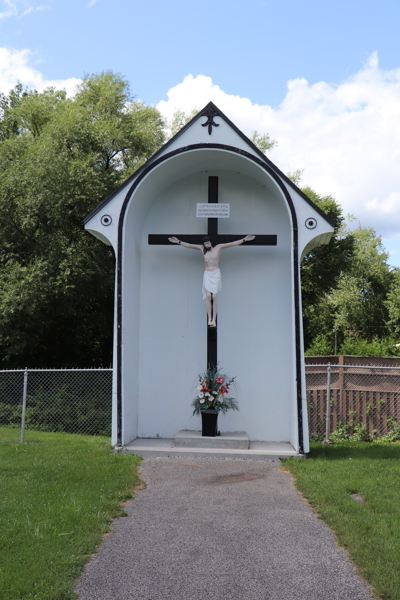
(362, 391)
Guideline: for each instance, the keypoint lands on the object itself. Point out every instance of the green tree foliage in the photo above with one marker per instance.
(393, 304)
(263, 142)
(350, 294)
(357, 306)
(295, 176)
(59, 159)
(374, 347)
(358, 303)
(321, 345)
(8, 119)
(179, 120)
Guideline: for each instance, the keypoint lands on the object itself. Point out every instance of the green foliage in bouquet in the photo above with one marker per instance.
(213, 392)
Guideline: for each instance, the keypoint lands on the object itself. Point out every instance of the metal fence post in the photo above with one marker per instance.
(24, 404)
(328, 404)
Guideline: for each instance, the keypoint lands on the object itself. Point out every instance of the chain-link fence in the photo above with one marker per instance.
(68, 400)
(351, 398)
(340, 397)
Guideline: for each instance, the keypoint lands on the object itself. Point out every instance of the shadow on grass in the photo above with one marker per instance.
(354, 450)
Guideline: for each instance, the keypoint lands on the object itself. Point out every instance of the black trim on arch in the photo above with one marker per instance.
(296, 289)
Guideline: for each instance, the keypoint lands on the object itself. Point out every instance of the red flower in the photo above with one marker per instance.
(223, 390)
(219, 379)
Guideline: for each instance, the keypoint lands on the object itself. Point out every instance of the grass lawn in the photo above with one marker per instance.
(369, 531)
(58, 494)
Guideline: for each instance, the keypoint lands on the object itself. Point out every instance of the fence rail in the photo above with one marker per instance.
(79, 400)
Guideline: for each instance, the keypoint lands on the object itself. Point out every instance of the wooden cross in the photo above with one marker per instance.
(260, 240)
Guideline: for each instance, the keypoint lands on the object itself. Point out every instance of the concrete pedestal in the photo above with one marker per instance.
(238, 440)
(164, 448)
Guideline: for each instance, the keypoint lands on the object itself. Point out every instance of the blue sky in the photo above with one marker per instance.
(251, 48)
(323, 78)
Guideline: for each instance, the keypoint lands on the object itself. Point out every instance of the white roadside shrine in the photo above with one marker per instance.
(160, 332)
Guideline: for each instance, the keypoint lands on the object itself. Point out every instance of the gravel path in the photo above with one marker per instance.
(209, 529)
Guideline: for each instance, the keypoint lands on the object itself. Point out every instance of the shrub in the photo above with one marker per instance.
(375, 347)
(342, 432)
(321, 346)
(70, 410)
(10, 415)
(394, 434)
(357, 432)
(360, 433)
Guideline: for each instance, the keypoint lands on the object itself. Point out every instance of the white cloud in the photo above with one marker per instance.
(92, 3)
(11, 10)
(14, 68)
(345, 137)
(388, 206)
(18, 9)
(32, 9)
(5, 14)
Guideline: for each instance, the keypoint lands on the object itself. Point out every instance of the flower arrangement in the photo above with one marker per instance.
(213, 392)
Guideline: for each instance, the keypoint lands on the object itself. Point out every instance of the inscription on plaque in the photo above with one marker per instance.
(210, 210)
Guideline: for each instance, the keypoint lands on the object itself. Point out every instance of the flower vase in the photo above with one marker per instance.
(209, 422)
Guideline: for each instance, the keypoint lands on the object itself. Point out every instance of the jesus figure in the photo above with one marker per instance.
(212, 275)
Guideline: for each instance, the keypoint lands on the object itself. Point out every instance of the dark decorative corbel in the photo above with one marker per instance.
(210, 113)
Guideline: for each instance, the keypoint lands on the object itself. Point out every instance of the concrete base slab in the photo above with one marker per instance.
(158, 448)
(238, 440)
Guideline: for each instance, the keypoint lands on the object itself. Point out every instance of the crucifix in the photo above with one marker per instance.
(211, 246)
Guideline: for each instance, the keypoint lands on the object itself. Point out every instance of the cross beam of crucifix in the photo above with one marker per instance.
(215, 238)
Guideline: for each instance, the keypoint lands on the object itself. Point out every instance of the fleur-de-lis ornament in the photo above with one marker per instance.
(210, 113)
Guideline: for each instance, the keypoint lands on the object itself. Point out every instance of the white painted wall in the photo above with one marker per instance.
(255, 325)
(307, 240)
(114, 432)
(197, 134)
(130, 334)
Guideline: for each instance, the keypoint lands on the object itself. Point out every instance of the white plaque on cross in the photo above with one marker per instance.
(212, 211)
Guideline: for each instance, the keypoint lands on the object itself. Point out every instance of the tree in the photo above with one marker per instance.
(8, 120)
(359, 301)
(296, 176)
(393, 304)
(179, 120)
(263, 142)
(356, 307)
(60, 158)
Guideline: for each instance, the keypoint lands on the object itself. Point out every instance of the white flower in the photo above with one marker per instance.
(201, 395)
(202, 401)
(207, 394)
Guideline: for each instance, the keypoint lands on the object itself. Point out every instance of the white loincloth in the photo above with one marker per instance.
(211, 282)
